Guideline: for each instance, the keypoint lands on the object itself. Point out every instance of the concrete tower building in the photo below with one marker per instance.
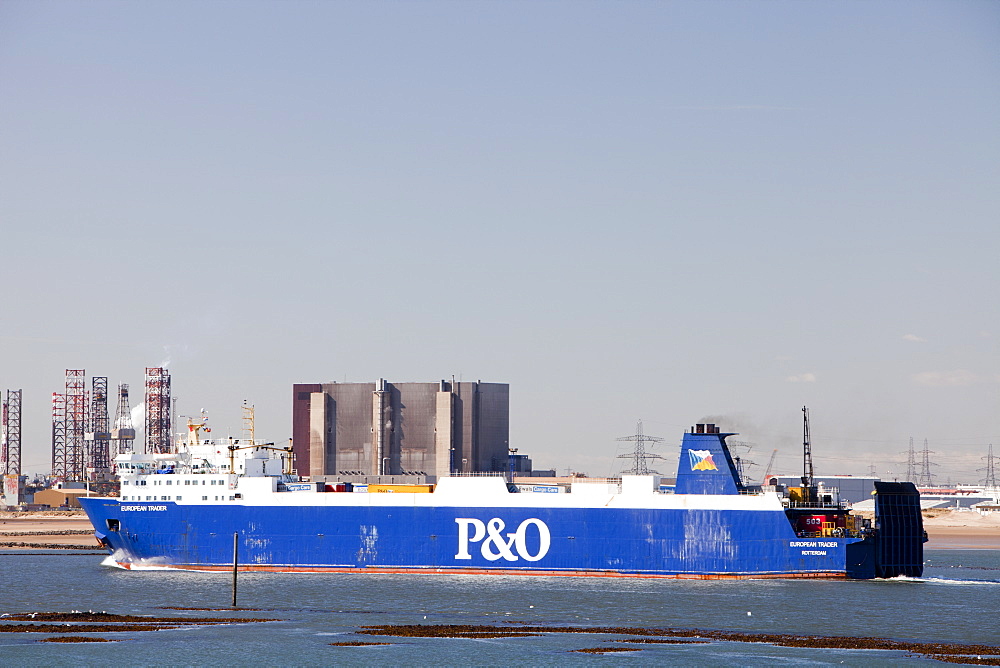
(405, 430)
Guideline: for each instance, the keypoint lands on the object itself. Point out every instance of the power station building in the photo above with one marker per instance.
(411, 431)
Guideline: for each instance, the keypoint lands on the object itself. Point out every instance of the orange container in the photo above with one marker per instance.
(408, 489)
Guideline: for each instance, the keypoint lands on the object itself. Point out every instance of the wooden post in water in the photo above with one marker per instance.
(236, 562)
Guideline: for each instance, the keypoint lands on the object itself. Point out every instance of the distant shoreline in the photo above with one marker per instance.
(962, 538)
(47, 529)
(951, 530)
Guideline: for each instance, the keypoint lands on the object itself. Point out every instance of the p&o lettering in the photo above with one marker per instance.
(497, 545)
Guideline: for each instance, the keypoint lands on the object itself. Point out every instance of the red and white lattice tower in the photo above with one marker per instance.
(58, 436)
(99, 431)
(76, 423)
(4, 456)
(157, 410)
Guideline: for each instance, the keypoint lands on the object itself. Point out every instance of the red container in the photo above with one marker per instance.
(812, 523)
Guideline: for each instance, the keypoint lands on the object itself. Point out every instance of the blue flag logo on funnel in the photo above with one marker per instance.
(701, 460)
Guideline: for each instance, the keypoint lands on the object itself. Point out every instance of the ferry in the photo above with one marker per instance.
(227, 504)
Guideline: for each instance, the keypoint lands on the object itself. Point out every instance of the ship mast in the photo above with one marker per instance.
(248, 430)
(807, 457)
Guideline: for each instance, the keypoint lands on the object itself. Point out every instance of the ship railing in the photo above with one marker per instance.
(815, 534)
(838, 532)
(817, 504)
(477, 474)
(177, 470)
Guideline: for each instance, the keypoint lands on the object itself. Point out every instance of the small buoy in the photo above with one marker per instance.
(531, 606)
(425, 616)
(749, 614)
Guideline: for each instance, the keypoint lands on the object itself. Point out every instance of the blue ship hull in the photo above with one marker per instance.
(712, 527)
(597, 541)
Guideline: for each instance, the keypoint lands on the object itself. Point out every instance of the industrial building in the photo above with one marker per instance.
(412, 431)
(60, 498)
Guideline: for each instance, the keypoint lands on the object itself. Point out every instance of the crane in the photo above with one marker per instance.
(770, 464)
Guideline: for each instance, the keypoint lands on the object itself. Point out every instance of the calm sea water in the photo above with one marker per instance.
(956, 601)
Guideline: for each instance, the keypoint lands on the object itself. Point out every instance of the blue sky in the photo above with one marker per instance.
(667, 211)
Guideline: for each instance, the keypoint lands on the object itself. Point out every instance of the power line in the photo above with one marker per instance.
(926, 478)
(991, 477)
(911, 463)
(639, 455)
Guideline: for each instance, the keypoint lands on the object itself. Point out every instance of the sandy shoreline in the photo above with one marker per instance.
(962, 538)
(962, 530)
(56, 529)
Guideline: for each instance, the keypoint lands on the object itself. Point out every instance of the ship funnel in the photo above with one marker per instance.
(705, 465)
